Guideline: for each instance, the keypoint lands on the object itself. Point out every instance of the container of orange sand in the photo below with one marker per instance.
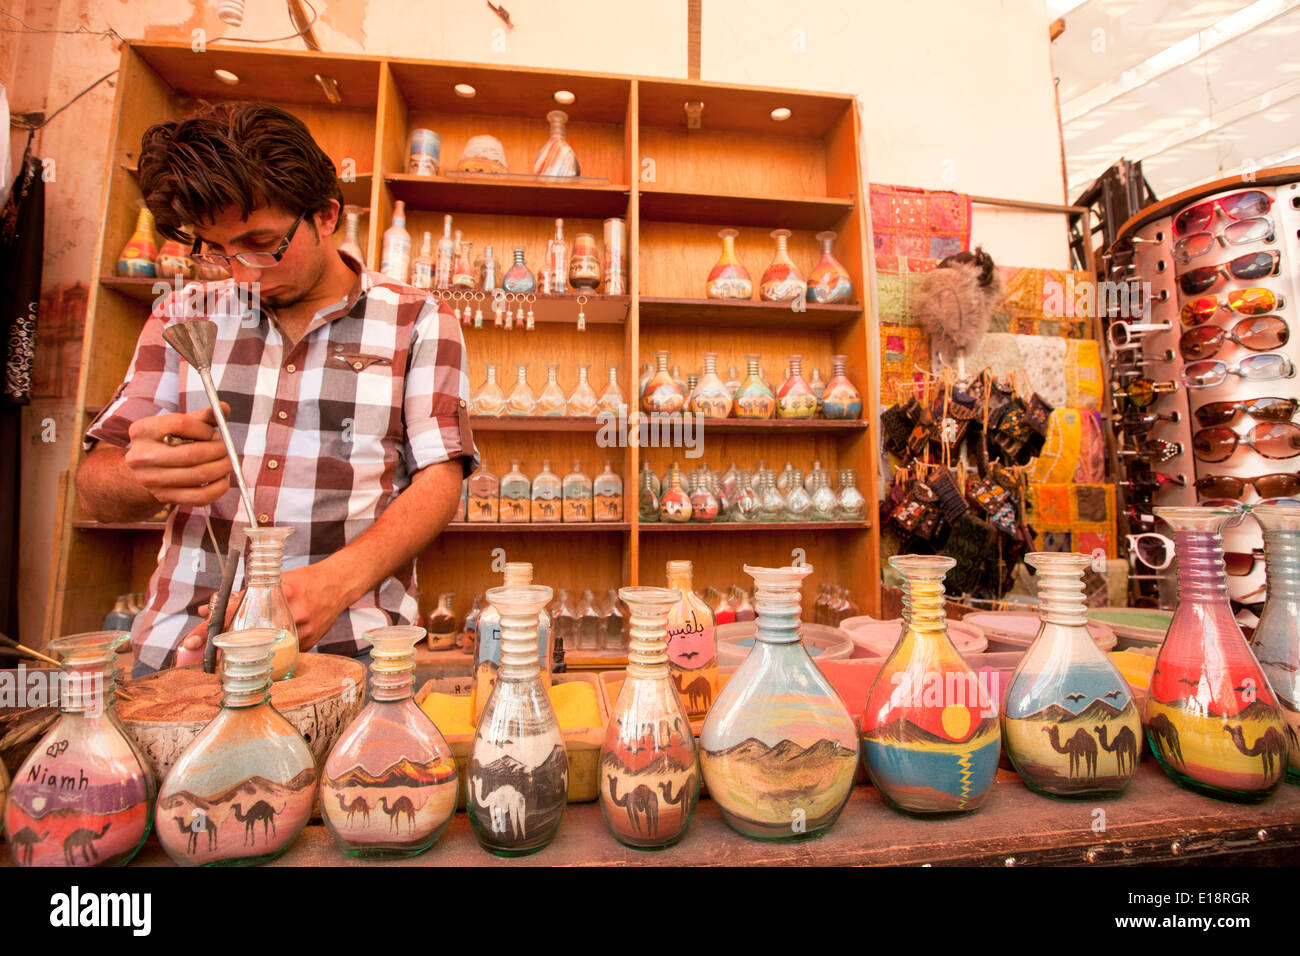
(580, 706)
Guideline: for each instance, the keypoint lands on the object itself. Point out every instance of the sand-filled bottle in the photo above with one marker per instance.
(692, 643)
(136, 259)
(263, 603)
(1070, 724)
(487, 652)
(729, 279)
(1276, 641)
(518, 780)
(388, 787)
(930, 728)
(1212, 719)
(779, 750)
(649, 777)
(243, 789)
(829, 281)
(85, 795)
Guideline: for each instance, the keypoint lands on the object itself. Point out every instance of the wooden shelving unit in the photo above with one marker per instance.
(674, 187)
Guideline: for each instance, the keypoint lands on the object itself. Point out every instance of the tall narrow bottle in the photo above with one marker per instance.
(243, 789)
(1276, 641)
(85, 795)
(692, 643)
(1070, 724)
(518, 781)
(263, 603)
(779, 750)
(137, 258)
(351, 243)
(487, 654)
(650, 783)
(557, 261)
(446, 256)
(556, 157)
(463, 276)
(388, 787)
(443, 625)
(395, 252)
(422, 265)
(1212, 720)
(930, 728)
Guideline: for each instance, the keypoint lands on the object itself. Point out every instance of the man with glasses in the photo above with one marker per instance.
(347, 393)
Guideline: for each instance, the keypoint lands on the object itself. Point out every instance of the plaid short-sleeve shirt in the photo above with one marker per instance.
(329, 431)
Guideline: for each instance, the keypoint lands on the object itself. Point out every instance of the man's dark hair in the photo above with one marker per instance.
(246, 155)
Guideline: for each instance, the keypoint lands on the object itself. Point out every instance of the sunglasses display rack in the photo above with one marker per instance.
(1199, 296)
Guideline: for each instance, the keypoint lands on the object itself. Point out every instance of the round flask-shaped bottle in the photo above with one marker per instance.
(704, 503)
(728, 279)
(829, 281)
(744, 506)
(518, 781)
(85, 795)
(583, 403)
(711, 397)
(388, 787)
(1276, 641)
(1212, 719)
(930, 728)
(551, 401)
(521, 401)
(825, 503)
(1069, 720)
(650, 782)
(490, 399)
(849, 503)
(675, 503)
(556, 157)
(243, 789)
(798, 503)
(647, 496)
(692, 643)
(662, 394)
(754, 397)
(777, 772)
(136, 259)
(771, 503)
(781, 280)
(519, 278)
(795, 398)
(263, 603)
(841, 398)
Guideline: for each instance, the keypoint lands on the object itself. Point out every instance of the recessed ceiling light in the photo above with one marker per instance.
(465, 91)
(780, 114)
(225, 76)
(564, 97)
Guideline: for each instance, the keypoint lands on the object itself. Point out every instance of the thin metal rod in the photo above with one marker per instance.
(215, 401)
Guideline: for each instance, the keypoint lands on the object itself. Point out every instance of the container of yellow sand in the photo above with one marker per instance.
(580, 706)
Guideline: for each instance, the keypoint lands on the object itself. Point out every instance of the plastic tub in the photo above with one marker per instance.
(872, 638)
(823, 643)
(1015, 630)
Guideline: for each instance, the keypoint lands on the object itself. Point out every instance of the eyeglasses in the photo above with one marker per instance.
(1154, 451)
(1267, 367)
(1280, 485)
(1158, 358)
(1253, 265)
(1152, 549)
(1244, 205)
(1259, 334)
(1135, 423)
(253, 260)
(1143, 392)
(1236, 234)
(1255, 301)
(1123, 333)
(1261, 409)
(1275, 440)
(1153, 481)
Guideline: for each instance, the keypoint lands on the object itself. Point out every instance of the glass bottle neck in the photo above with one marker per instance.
(729, 247)
(519, 257)
(752, 368)
(826, 246)
(264, 564)
(710, 364)
(837, 367)
(613, 376)
(86, 690)
(778, 613)
(492, 374)
(519, 646)
(781, 248)
(582, 375)
(796, 366)
(923, 607)
(245, 683)
(551, 373)
(661, 362)
(1201, 574)
(522, 373)
(679, 580)
(392, 674)
(647, 649)
(446, 227)
(1282, 554)
(1061, 597)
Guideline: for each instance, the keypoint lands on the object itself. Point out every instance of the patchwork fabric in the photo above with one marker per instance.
(911, 222)
(1075, 449)
(902, 352)
(1085, 512)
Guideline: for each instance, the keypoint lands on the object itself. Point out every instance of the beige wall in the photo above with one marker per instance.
(957, 94)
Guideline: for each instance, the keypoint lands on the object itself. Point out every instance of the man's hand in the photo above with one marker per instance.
(195, 473)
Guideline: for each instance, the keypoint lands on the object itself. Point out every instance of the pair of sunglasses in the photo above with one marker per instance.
(1238, 233)
(1152, 549)
(1136, 423)
(1251, 266)
(1266, 367)
(1154, 451)
(1276, 440)
(1259, 334)
(1142, 392)
(1148, 481)
(1279, 485)
(1244, 205)
(1253, 301)
(1261, 409)
(1241, 563)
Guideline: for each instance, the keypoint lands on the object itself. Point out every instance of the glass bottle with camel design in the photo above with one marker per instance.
(1212, 719)
(388, 787)
(85, 795)
(930, 728)
(1069, 721)
(1276, 641)
(487, 650)
(649, 749)
(692, 644)
(243, 789)
(779, 750)
(518, 780)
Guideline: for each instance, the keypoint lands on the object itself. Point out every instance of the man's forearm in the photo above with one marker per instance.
(404, 529)
(107, 489)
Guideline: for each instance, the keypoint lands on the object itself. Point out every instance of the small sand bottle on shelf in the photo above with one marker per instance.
(388, 787)
(607, 495)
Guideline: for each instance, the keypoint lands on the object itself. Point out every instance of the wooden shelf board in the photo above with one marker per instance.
(561, 309)
(446, 194)
(539, 527)
(119, 525)
(783, 212)
(689, 526)
(533, 423)
(782, 426)
(657, 310)
(135, 288)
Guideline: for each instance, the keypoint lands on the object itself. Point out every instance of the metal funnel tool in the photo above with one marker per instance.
(194, 341)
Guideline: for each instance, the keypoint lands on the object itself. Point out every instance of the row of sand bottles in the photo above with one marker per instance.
(829, 281)
(739, 495)
(583, 402)
(663, 391)
(929, 735)
(547, 497)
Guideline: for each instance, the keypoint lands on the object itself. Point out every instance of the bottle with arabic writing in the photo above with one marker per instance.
(692, 645)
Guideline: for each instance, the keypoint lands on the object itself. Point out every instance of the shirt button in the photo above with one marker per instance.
(264, 519)
(357, 365)
(291, 368)
(282, 415)
(273, 464)
(338, 347)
